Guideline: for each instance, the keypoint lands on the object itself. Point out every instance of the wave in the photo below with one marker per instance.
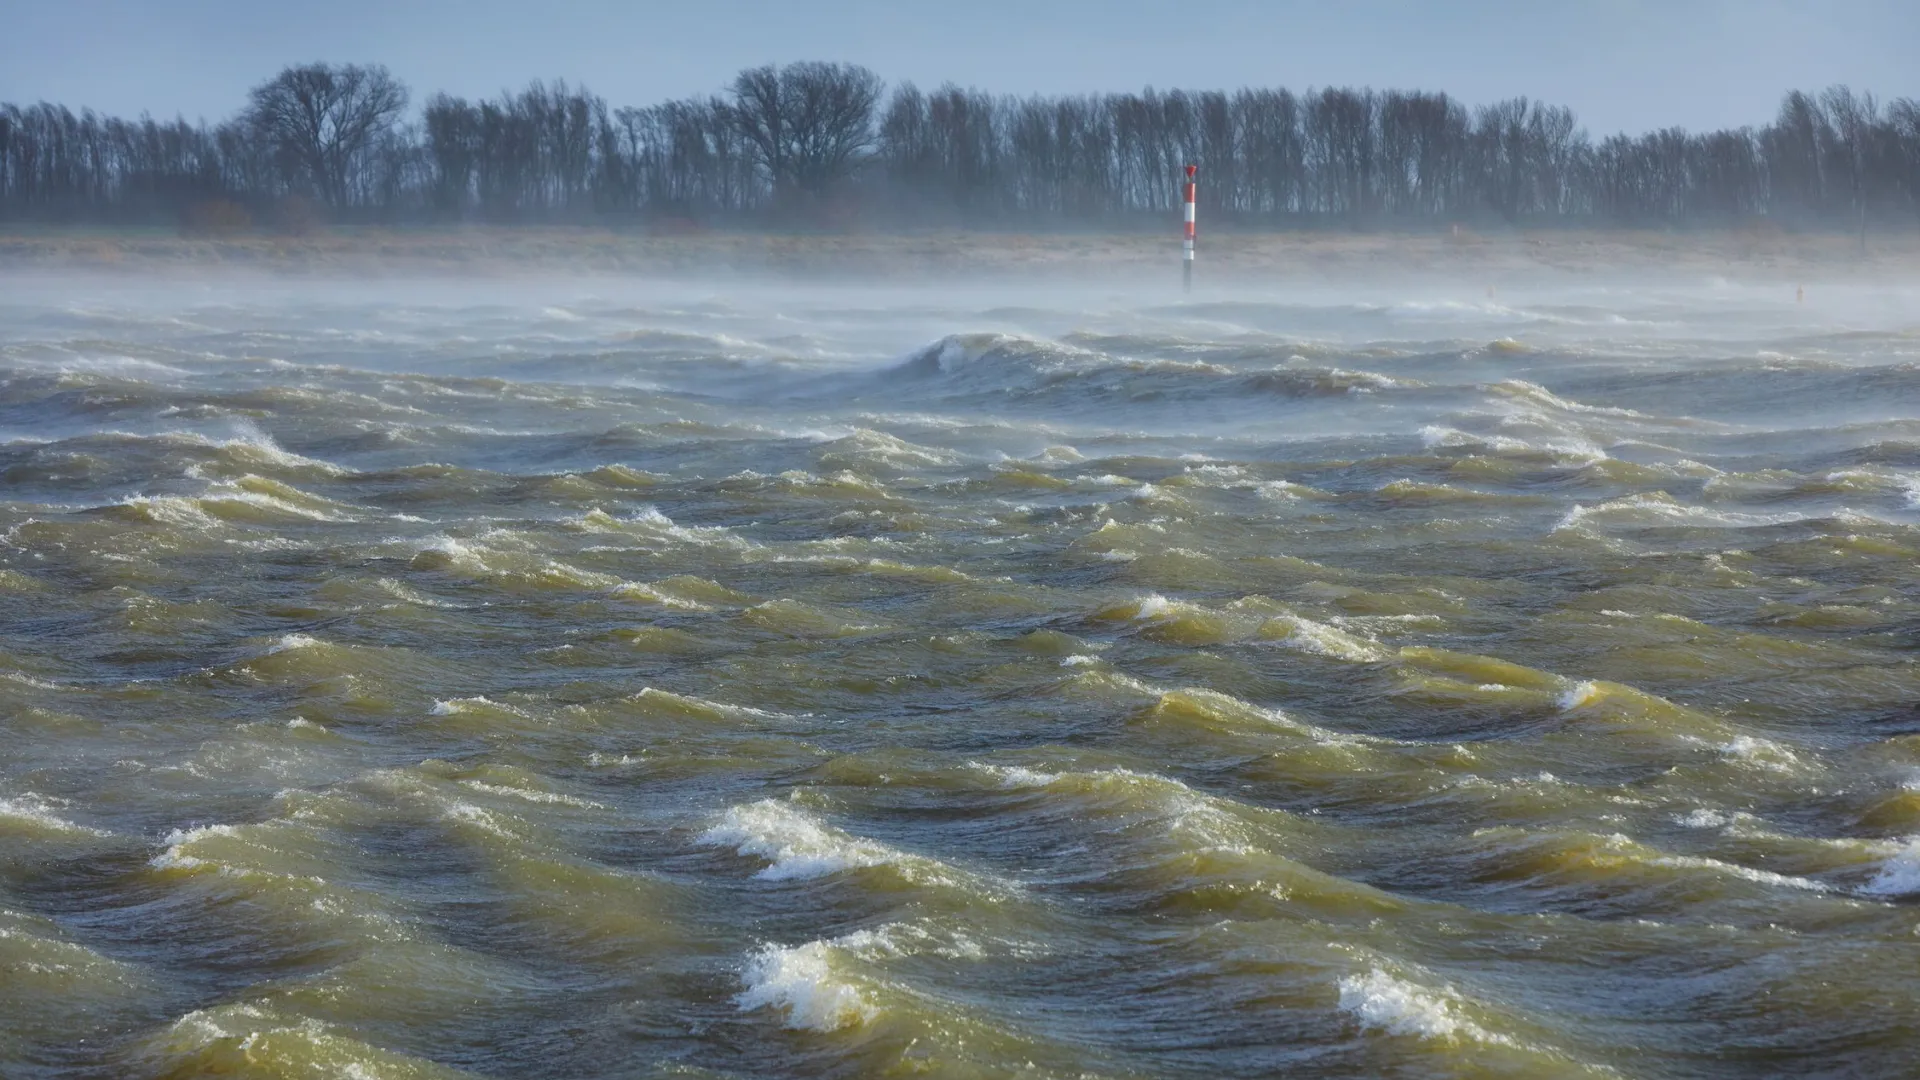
(800, 981)
(999, 366)
(1396, 1006)
(1898, 876)
(37, 818)
(249, 1038)
(797, 846)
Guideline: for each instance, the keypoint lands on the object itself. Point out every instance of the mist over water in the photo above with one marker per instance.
(612, 678)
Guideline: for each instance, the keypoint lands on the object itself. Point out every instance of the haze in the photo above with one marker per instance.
(1630, 65)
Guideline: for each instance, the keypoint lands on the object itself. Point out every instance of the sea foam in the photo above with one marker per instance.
(1398, 1007)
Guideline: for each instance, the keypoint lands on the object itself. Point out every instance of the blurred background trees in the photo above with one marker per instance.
(806, 125)
(321, 124)
(799, 145)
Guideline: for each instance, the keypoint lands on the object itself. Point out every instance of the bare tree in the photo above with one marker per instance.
(1903, 159)
(958, 156)
(807, 123)
(1854, 118)
(322, 120)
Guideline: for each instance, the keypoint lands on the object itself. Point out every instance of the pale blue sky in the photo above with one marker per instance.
(1620, 64)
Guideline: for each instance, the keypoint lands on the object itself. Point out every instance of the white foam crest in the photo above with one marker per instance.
(635, 590)
(704, 535)
(1321, 639)
(1015, 776)
(1098, 679)
(1364, 381)
(1664, 510)
(205, 1027)
(1173, 803)
(532, 795)
(1436, 437)
(484, 820)
(459, 553)
(290, 642)
(1705, 818)
(1455, 310)
(893, 450)
(911, 939)
(1276, 717)
(1898, 875)
(176, 858)
(1578, 695)
(1153, 606)
(401, 591)
(1761, 753)
(249, 436)
(957, 352)
(477, 703)
(795, 845)
(1534, 392)
(800, 981)
(1398, 1007)
(130, 367)
(39, 811)
(1745, 873)
(726, 709)
(232, 492)
(175, 510)
(1281, 490)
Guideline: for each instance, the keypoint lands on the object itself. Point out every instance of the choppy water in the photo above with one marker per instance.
(613, 679)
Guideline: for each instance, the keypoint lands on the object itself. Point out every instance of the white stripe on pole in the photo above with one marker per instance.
(1187, 192)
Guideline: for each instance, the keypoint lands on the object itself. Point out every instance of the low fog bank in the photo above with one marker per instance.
(827, 320)
(1495, 259)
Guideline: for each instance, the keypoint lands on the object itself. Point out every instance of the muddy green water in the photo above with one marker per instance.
(616, 679)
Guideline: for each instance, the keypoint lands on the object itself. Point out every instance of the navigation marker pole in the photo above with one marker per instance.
(1186, 256)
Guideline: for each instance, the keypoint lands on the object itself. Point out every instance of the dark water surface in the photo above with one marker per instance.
(608, 679)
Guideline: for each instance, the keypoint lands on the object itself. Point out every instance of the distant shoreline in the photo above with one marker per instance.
(1494, 257)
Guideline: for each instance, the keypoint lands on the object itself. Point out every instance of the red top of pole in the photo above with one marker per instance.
(1191, 169)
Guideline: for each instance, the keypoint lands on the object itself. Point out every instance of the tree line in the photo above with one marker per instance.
(812, 144)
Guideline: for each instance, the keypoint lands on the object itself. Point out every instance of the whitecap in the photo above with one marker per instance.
(1760, 753)
(175, 857)
(1578, 695)
(1320, 639)
(1153, 606)
(1398, 1007)
(795, 845)
(1898, 875)
(1016, 776)
(458, 706)
(290, 642)
(533, 795)
(40, 811)
(1745, 873)
(800, 981)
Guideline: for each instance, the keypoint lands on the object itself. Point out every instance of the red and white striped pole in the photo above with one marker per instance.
(1186, 255)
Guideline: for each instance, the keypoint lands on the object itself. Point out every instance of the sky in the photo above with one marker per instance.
(1621, 65)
